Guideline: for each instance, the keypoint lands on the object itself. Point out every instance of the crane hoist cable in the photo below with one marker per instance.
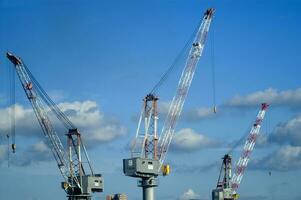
(238, 142)
(5, 140)
(57, 111)
(12, 97)
(245, 135)
(220, 173)
(174, 64)
(213, 70)
(180, 56)
(8, 151)
(60, 115)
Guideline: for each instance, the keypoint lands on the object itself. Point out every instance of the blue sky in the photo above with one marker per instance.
(100, 58)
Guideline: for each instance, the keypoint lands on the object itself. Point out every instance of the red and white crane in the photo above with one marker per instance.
(248, 148)
(227, 184)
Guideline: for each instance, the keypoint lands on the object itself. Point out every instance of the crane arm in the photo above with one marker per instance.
(248, 148)
(183, 85)
(69, 165)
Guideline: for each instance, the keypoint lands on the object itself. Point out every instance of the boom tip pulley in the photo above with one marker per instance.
(14, 59)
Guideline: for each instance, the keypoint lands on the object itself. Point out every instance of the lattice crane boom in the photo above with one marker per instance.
(183, 86)
(248, 148)
(42, 116)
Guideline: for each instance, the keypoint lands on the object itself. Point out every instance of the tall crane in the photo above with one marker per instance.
(79, 182)
(227, 185)
(149, 150)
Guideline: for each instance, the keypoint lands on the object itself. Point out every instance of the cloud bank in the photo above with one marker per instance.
(190, 115)
(270, 95)
(287, 133)
(86, 115)
(34, 154)
(95, 127)
(187, 140)
(286, 158)
(189, 195)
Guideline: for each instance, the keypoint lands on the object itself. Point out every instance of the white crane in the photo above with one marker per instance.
(148, 151)
(78, 184)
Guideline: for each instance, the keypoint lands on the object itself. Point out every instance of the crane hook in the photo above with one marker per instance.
(214, 109)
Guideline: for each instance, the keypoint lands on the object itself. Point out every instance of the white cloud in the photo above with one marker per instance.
(196, 114)
(40, 147)
(96, 127)
(284, 159)
(93, 124)
(188, 140)
(57, 95)
(190, 115)
(24, 118)
(270, 95)
(35, 153)
(189, 195)
(83, 114)
(163, 107)
(262, 140)
(288, 132)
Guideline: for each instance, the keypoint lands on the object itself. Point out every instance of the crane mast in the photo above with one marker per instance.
(224, 180)
(227, 187)
(145, 144)
(68, 161)
(223, 189)
(148, 150)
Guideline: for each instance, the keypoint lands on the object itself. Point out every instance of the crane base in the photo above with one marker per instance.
(148, 188)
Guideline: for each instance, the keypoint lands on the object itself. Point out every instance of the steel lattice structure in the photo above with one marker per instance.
(69, 159)
(248, 148)
(148, 136)
(183, 86)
